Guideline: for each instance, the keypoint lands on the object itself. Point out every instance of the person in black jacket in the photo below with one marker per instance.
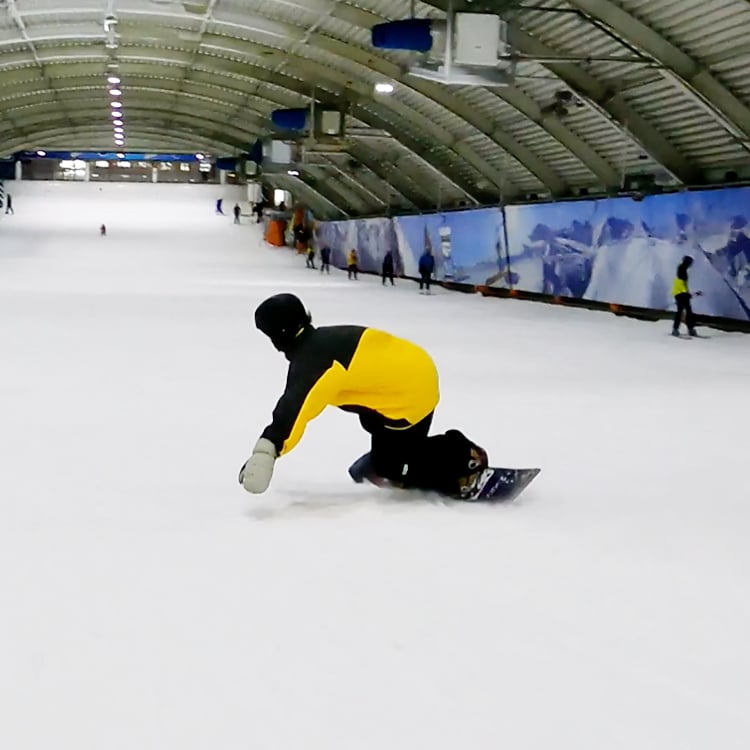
(390, 383)
(325, 259)
(388, 267)
(426, 267)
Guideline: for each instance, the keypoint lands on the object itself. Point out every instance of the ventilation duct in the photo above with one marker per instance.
(472, 49)
(290, 119)
(413, 34)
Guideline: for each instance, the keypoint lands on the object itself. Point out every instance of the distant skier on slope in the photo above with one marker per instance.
(390, 383)
(682, 297)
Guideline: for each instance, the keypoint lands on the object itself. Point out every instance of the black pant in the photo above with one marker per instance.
(325, 266)
(411, 459)
(394, 452)
(388, 275)
(353, 271)
(310, 262)
(683, 306)
(424, 281)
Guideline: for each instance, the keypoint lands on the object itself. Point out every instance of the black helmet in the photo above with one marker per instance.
(281, 318)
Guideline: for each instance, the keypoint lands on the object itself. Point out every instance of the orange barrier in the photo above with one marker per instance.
(275, 231)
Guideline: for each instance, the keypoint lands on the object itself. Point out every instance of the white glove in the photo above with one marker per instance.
(255, 475)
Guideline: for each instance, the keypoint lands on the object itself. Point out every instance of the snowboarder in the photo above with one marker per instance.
(310, 262)
(390, 383)
(426, 267)
(682, 297)
(103, 230)
(236, 210)
(388, 267)
(219, 209)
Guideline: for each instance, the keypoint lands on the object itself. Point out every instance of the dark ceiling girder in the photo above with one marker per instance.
(392, 177)
(439, 95)
(726, 107)
(513, 96)
(335, 92)
(606, 101)
(241, 144)
(287, 182)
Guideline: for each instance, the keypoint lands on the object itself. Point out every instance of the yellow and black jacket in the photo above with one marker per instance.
(357, 369)
(680, 285)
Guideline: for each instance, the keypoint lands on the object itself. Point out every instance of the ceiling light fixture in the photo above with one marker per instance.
(115, 92)
(384, 88)
(120, 155)
(115, 105)
(41, 153)
(293, 172)
(114, 80)
(118, 123)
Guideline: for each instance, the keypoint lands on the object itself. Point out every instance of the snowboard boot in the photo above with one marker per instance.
(362, 470)
(458, 463)
(675, 332)
(692, 332)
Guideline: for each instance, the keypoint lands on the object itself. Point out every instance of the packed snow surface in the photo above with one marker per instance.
(148, 602)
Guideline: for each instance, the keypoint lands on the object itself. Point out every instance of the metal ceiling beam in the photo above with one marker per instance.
(331, 82)
(358, 91)
(137, 97)
(213, 130)
(57, 133)
(390, 176)
(602, 98)
(365, 19)
(616, 109)
(286, 182)
(726, 108)
(329, 190)
(351, 53)
(326, 77)
(330, 164)
(80, 83)
(513, 96)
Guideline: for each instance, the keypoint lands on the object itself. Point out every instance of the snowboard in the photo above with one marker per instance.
(493, 485)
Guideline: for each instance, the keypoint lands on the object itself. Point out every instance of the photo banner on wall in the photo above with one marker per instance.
(626, 252)
(467, 245)
(615, 250)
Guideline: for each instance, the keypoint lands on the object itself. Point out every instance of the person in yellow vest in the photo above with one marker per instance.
(682, 296)
(352, 263)
(392, 386)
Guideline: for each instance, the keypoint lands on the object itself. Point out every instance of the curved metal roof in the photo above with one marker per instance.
(655, 85)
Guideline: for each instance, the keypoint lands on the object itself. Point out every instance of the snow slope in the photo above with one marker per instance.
(148, 602)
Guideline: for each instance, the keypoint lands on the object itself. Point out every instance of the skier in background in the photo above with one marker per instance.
(426, 267)
(310, 262)
(103, 230)
(325, 259)
(236, 210)
(390, 383)
(218, 206)
(388, 267)
(682, 296)
(9, 204)
(352, 264)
